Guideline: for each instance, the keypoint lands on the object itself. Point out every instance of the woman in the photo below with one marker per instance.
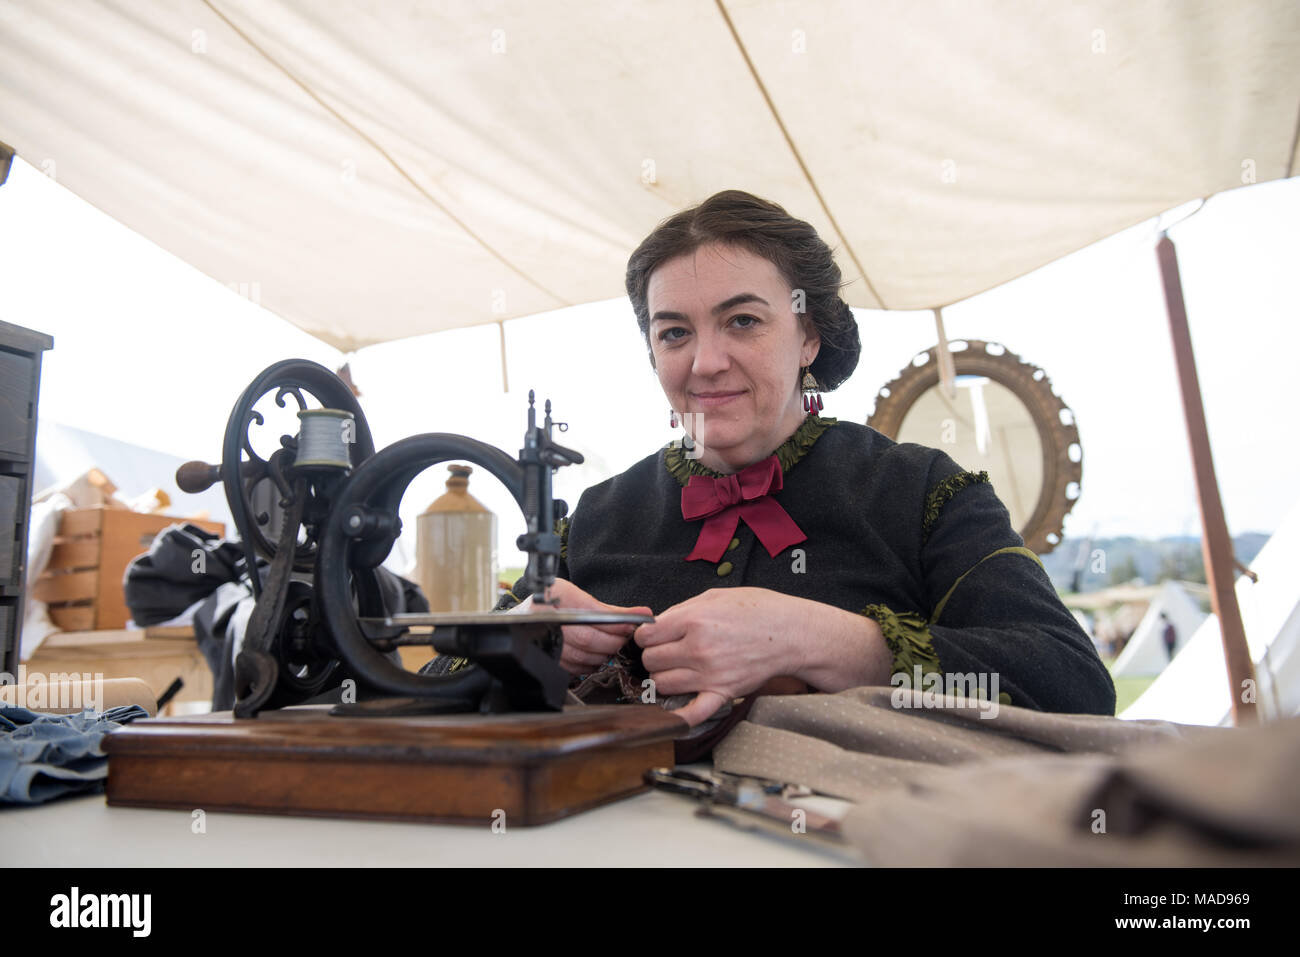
(780, 550)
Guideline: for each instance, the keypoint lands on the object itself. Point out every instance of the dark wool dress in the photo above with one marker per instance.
(895, 531)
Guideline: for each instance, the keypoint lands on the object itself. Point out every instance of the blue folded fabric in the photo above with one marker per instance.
(45, 756)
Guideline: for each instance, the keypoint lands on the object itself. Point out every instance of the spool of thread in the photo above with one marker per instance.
(324, 438)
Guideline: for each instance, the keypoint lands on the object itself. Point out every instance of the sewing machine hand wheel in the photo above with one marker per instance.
(281, 662)
(243, 472)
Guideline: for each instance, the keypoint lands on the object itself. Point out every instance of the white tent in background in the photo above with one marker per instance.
(1193, 689)
(1145, 653)
(64, 453)
(1085, 622)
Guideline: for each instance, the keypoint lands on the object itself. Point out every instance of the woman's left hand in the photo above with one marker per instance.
(725, 643)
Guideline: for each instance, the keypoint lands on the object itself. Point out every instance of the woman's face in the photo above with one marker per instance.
(728, 349)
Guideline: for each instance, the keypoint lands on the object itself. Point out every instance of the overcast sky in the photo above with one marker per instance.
(149, 350)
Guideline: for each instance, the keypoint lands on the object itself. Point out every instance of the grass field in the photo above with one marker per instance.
(1128, 690)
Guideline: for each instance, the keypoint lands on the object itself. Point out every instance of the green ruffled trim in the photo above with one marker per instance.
(790, 452)
(941, 493)
(908, 636)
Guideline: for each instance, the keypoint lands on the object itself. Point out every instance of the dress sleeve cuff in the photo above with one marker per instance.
(444, 665)
(506, 602)
(562, 529)
(908, 636)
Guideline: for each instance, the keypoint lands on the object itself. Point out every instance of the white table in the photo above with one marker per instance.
(651, 829)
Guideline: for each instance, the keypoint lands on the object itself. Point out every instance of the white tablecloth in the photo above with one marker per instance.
(650, 829)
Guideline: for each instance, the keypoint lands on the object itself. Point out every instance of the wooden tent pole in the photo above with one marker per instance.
(1216, 545)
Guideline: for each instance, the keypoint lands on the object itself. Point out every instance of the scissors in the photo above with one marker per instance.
(770, 800)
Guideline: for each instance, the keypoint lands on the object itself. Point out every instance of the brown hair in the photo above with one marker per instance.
(737, 218)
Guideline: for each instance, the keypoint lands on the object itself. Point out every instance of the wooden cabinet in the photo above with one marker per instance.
(20, 383)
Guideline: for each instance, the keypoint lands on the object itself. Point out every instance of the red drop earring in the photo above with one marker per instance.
(672, 418)
(812, 398)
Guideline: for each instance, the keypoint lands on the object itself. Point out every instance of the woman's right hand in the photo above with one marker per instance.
(587, 647)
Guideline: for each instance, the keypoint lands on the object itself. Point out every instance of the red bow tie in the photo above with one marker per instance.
(726, 500)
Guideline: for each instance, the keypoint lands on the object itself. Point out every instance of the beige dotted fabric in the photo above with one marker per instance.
(939, 785)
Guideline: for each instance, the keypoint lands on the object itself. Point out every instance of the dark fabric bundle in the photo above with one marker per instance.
(183, 565)
(620, 681)
(186, 565)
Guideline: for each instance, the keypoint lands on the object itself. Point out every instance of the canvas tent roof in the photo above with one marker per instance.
(371, 171)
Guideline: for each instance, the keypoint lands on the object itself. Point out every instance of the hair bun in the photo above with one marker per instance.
(841, 347)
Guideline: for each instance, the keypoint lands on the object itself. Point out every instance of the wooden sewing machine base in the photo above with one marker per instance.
(459, 769)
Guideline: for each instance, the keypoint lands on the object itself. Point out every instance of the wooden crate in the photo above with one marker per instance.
(83, 582)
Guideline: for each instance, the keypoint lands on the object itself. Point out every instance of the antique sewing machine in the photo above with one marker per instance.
(454, 747)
